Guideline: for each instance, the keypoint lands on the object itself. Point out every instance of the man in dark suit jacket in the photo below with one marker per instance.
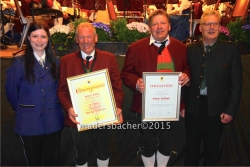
(75, 64)
(145, 56)
(214, 93)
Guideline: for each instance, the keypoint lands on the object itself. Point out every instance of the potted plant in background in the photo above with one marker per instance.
(106, 40)
(137, 30)
(119, 35)
(224, 34)
(116, 45)
(238, 33)
(123, 34)
(114, 38)
(62, 39)
(103, 31)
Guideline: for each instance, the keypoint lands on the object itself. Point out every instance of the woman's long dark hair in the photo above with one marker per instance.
(29, 54)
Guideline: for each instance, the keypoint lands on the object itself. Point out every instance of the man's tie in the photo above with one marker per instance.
(87, 61)
(41, 61)
(162, 46)
(203, 82)
(208, 47)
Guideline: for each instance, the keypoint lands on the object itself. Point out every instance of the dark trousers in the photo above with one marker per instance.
(82, 144)
(202, 127)
(42, 150)
(155, 136)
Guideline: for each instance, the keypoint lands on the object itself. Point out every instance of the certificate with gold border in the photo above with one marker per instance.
(161, 98)
(93, 99)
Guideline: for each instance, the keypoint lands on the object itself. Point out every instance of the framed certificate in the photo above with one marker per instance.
(93, 99)
(161, 98)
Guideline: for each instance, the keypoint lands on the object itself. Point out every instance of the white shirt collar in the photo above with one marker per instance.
(38, 57)
(84, 55)
(152, 41)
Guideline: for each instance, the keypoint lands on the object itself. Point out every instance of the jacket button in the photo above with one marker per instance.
(42, 90)
(202, 65)
(199, 87)
(200, 76)
(197, 96)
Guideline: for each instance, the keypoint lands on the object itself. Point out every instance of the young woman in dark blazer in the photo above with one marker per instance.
(31, 86)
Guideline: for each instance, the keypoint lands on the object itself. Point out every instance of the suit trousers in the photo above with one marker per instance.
(202, 129)
(42, 150)
(82, 144)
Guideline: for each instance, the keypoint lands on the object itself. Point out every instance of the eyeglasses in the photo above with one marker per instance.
(208, 25)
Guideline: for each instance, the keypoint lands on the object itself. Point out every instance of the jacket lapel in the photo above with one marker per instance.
(42, 71)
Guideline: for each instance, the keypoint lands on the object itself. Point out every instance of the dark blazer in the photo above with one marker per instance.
(142, 57)
(223, 77)
(71, 65)
(37, 106)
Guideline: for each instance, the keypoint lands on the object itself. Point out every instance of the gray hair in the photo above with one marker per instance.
(83, 25)
(210, 13)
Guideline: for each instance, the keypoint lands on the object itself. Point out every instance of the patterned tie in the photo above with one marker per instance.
(162, 46)
(41, 61)
(87, 61)
(203, 82)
